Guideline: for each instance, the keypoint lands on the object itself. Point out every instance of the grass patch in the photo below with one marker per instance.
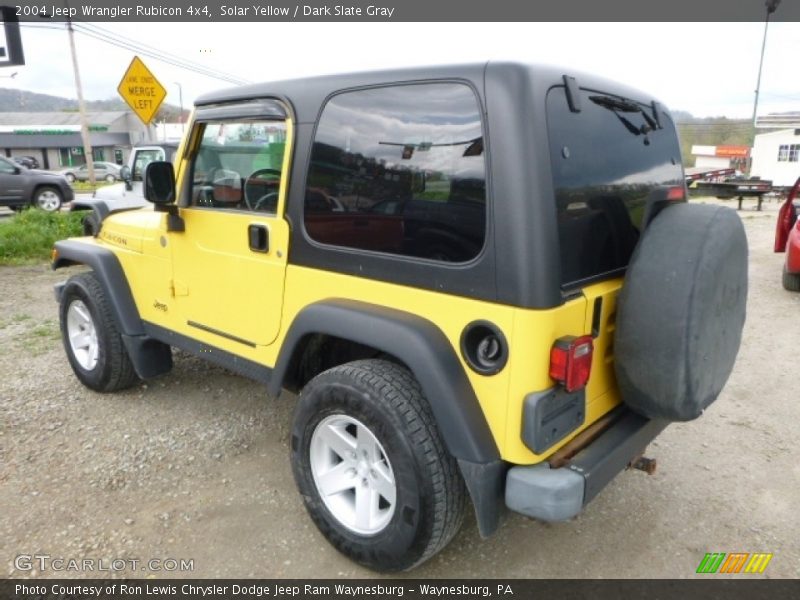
(48, 329)
(29, 236)
(14, 320)
(38, 339)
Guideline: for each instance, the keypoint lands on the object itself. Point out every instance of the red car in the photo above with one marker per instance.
(787, 238)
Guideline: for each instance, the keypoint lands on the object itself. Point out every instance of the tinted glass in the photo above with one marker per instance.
(400, 170)
(607, 162)
(238, 165)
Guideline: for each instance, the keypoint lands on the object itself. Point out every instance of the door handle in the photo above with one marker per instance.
(258, 238)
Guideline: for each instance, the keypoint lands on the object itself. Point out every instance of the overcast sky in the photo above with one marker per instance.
(708, 69)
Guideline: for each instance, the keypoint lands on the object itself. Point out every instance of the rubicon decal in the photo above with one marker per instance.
(735, 562)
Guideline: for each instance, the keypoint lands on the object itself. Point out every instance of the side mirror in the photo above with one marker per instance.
(125, 175)
(159, 183)
(159, 188)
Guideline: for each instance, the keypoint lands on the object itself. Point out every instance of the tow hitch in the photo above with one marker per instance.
(648, 465)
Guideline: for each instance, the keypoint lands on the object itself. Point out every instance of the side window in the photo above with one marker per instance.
(7, 167)
(238, 165)
(400, 170)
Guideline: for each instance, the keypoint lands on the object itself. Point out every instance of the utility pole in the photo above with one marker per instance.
(772, 6)
(180, 99)
(87, 144)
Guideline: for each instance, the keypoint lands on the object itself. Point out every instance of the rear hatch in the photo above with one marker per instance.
(613, 159)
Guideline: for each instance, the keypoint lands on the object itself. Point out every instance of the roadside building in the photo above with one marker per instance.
(54, 138)
(776, 156)
(721, 157)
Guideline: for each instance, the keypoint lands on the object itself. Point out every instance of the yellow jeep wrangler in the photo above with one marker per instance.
(483, 281)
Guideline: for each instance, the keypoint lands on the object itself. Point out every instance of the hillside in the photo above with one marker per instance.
(710, 131)
(24, 101)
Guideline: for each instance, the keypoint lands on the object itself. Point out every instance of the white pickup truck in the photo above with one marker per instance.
(126, 195)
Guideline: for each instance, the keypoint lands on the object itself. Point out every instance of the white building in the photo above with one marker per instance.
(776, 156)
(54, 138)
(721, 157)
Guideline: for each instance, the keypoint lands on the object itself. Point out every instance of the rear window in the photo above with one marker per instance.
(607, 160)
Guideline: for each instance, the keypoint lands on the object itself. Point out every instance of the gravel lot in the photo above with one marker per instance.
(194, 465)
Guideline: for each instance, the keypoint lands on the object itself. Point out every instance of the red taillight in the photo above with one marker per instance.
(676, 193)
(571, 361)
(786, 219)
(783, 226)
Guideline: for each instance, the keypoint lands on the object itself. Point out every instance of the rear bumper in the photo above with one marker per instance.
(559, 494)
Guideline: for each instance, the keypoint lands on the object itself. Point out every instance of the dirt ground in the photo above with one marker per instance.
(194, 466)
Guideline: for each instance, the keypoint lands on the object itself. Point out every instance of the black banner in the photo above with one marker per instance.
(415, 589)
(204, 11)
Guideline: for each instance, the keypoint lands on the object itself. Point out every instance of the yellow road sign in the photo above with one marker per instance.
(141, 90)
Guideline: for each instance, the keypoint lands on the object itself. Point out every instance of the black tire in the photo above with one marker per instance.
(48, 198)
(70, 178)
(791, 281)
(91, 224)
(112, 370)
(430, 493)
(681, 311)
(110, 178)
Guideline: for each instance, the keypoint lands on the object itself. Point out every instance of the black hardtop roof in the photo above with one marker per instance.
(307, 94)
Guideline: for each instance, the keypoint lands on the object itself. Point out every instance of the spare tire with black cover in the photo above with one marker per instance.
(681, 311)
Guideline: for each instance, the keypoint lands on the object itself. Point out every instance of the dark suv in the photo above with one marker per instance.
(21, 187)
(484, 281)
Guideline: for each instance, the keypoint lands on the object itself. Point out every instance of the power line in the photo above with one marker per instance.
(139, 48)
(161, 56)
(158, 54)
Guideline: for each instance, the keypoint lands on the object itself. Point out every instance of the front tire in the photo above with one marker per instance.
(91, 339)
(791, 281)
(371, 467)
(48, 198)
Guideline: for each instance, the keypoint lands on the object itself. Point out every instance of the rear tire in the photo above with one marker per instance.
(791, 281)
(91, 338)
(400, 503)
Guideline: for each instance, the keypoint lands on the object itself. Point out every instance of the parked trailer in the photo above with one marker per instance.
(707, 174)
(735, 188)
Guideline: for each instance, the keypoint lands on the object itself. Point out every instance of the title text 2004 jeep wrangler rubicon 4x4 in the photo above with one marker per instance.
(483, 280)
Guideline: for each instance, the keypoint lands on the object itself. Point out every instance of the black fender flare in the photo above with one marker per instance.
(112, 278)
(426, 351)
(99, 207)
(149, 357)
